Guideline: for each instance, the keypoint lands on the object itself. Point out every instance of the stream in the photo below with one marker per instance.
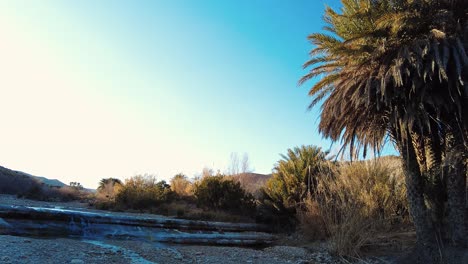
(97, 226)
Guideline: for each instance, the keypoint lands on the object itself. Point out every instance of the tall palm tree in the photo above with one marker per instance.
(399, 68)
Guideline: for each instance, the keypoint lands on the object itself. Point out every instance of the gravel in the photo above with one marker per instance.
(28, 250)
(67, 250)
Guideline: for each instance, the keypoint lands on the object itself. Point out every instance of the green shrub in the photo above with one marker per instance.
(220, 193)
(143, 192)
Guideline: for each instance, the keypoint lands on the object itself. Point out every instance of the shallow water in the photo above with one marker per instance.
(134, 257)
(41, 221)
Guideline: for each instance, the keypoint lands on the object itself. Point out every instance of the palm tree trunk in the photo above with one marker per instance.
(426, 236)
(456, 190)
(436, 192)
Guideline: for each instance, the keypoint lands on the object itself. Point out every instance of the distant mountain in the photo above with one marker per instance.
(252, 182)
(14, 182)
(50, 182)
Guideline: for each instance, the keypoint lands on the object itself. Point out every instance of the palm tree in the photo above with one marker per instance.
(294, 179)
(398, 69)
(103, 183)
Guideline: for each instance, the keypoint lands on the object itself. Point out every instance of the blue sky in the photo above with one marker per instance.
(96, 89)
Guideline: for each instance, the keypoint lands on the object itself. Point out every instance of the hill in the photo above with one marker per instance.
(252, 182)
(18, 182)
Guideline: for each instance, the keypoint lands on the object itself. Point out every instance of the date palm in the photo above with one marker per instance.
(294, 179)
(399, 68)
(103, 183)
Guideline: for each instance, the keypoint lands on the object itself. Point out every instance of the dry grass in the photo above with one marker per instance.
(311, 222)
(356, 203)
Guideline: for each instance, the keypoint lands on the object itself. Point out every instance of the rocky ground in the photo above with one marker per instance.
(65, 250)
(75, 250)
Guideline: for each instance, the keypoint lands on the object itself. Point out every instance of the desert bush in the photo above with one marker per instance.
(66, 193)
(364, 198)
(222, 193)
(181, 185)
(311, 222)
(143, 192)
(43, 192)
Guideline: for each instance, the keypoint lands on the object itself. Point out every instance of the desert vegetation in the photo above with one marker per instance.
(382, 71)
(397, 70)
(346, 203)
(210, 197)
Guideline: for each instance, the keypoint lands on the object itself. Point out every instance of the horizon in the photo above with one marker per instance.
(113, 89)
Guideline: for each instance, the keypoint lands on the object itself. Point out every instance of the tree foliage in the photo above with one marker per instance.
(399, 69)
(294, 178)
(108, 188)
(221, 193)
(181, 185)
(143, 192)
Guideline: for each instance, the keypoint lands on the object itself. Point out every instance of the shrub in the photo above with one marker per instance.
(221, 193)
(43, 192)
(311, 222)
(364, 198)
(143, 192)
(181, 185)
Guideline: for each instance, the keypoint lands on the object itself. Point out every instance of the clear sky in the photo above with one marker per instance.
(94, 89)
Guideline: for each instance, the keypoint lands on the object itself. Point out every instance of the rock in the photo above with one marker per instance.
(77, 261)
(4, 224)
(27, 241)
(198, 253)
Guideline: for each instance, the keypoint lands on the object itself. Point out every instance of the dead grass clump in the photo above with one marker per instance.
(311, 222)
(355, 203)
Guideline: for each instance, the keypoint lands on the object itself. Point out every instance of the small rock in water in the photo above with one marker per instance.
(77, 261)
(27, 241)
(199, 253)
